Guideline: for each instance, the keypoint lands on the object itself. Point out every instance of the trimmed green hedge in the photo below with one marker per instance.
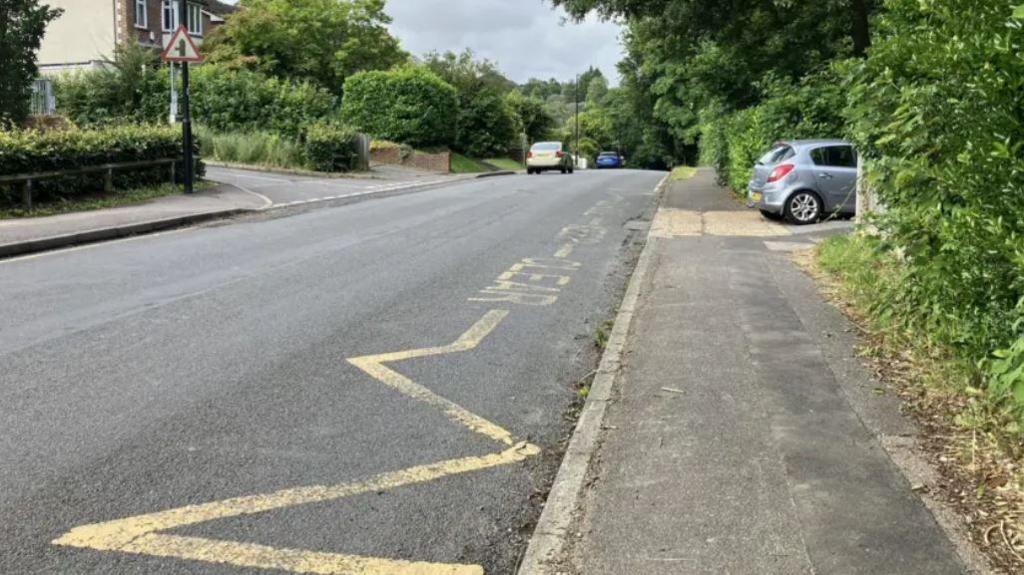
(410, 105)
(331, 148)
(26, 152)
(222, 99)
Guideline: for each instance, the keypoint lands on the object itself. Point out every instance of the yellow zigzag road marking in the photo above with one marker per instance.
(374, 365)
(141, 534)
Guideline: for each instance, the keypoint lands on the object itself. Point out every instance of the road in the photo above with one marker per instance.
(379, 387)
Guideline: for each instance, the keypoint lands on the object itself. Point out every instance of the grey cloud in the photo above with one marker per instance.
(527, 38)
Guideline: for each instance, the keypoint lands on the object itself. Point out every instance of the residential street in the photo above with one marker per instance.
(378, 387)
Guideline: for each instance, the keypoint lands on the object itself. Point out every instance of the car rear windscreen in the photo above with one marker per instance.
(546, 147)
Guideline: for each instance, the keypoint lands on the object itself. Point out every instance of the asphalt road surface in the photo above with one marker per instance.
(380, 387)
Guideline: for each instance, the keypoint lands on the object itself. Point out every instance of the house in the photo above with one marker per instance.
(85, 35)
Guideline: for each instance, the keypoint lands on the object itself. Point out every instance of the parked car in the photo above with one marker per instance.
(610, 160)
(803, 180)
(549, 156)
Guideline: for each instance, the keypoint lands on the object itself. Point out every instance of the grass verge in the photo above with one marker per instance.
(683, 172)
(504, 163)
(981, 464)
(465, 165)
(100, 201)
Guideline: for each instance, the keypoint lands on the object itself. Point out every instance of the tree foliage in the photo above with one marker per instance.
(323, 41)
(22, 25)
(411, 105)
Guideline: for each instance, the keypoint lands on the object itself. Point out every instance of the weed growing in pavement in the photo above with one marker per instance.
(602, 334)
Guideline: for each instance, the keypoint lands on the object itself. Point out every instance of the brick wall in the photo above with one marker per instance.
(433, 162)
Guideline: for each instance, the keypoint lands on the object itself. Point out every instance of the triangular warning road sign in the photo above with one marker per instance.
(181, 48)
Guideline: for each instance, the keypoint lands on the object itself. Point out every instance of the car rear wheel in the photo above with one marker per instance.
(803, 208)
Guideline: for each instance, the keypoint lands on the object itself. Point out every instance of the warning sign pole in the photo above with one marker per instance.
(183, 50)
(186, 118)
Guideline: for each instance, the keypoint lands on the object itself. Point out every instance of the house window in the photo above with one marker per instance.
(195, 19)
(141, 14)
(170, 15)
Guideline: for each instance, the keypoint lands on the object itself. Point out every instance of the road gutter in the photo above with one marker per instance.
(552, 530)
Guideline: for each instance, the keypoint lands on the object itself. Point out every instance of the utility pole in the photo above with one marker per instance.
(577, 98)
(186, 117)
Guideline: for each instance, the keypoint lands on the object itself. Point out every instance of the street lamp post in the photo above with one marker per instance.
(577, 98)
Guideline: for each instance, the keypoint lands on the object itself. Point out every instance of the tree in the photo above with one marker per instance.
(324, 41)
(22, 26)
(487, 124)
(597, 89)
(536, 123)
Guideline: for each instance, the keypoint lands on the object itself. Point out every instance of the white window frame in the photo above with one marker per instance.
(169, 7)
(195, 19)
(142, 14)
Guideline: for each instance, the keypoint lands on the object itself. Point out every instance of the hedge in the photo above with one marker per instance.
(732, 142)
(935, 111)
(331, 148)
(29, 151)
(410, 105)
(222, 99)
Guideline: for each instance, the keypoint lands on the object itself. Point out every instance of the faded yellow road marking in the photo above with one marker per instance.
(374, 366)
(672, 223)
(143, 534)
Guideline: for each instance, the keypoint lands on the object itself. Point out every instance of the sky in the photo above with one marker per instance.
(525, 38)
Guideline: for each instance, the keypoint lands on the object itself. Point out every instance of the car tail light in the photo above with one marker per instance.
(780, 172)
(560, 154)
(529, 154)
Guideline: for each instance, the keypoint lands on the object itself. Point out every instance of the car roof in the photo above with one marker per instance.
(818, 142)
(553, 142)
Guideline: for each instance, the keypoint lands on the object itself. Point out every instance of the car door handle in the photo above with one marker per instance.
(826, 176)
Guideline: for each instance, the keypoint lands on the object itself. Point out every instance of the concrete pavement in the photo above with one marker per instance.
(378, 387)
(736, 439)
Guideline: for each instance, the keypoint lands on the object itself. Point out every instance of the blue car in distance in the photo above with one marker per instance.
(610, 160)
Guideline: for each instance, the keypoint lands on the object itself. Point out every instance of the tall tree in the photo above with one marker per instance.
(22, 26)
(487, 124)
(320, 40)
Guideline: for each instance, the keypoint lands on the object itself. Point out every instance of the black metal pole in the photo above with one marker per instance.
(186, 118)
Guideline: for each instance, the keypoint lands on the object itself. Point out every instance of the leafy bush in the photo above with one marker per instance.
(138, 90)
(409, 105)
(331, 148)
(811, 108)
(488, 126)
(134, 88)
(238, 100)
(936, 112)
(26, 152)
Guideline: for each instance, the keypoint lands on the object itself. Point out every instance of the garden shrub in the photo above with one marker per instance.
(410, 105)
(331, 148)
(935, 111)
(733, 141)
(30, 151)
(224, 99)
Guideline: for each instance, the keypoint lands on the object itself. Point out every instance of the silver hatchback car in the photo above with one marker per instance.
(802, 180)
